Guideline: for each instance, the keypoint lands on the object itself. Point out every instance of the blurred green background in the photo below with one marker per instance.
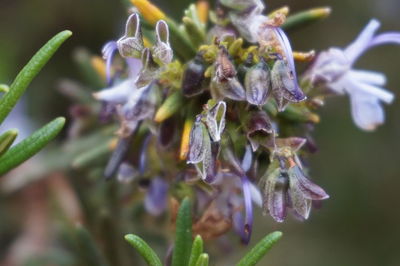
(359, 224)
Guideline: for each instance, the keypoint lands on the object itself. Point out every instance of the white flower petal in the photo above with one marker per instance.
(365, 88)
(385, 38)
(118, 94)
(255, 193)
(362, 42)
(369, 77)
(366, 110)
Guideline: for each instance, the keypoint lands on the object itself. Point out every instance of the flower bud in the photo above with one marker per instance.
(284, 85)
(193, 77)
(199, 142)
(225, 70)
(259, 129)
(275, 187)
(131, 44)
(162, 51)
(258, 83)
(231, 89)
(215, 120)
(149, 70)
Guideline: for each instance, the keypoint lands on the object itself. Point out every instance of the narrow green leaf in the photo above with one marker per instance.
(87, 248)
(7, 139)
(145, 250)
(197, 250)
(259, 250)
(29, 72)
(183, 240)
(306, 17)
(31, 145)
(203, 260)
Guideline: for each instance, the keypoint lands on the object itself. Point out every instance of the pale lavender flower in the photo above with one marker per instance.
(108, 52)
(155, 201)
(250, 193)
(334, 69)
(126, 173)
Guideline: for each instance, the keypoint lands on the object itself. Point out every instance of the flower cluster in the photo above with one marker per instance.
(193, 98)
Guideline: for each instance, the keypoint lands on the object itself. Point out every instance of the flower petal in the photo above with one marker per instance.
(118, 94)
(108, 52)
(370, 77)
(362, 42)
(385, 38)
(156, 197)
(366, 110)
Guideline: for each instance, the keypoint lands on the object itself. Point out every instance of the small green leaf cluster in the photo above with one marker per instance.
(191, 253)
(10, 157)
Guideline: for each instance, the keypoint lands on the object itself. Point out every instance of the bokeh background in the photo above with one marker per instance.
(358, 225)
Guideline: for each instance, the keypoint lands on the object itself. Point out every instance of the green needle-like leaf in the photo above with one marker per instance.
(29, 72)
(31, 145)
(306, 17)
(203, 260)
(259, 250)
(183, 241)
(7, 139)
(197, 250)
(145, 250)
